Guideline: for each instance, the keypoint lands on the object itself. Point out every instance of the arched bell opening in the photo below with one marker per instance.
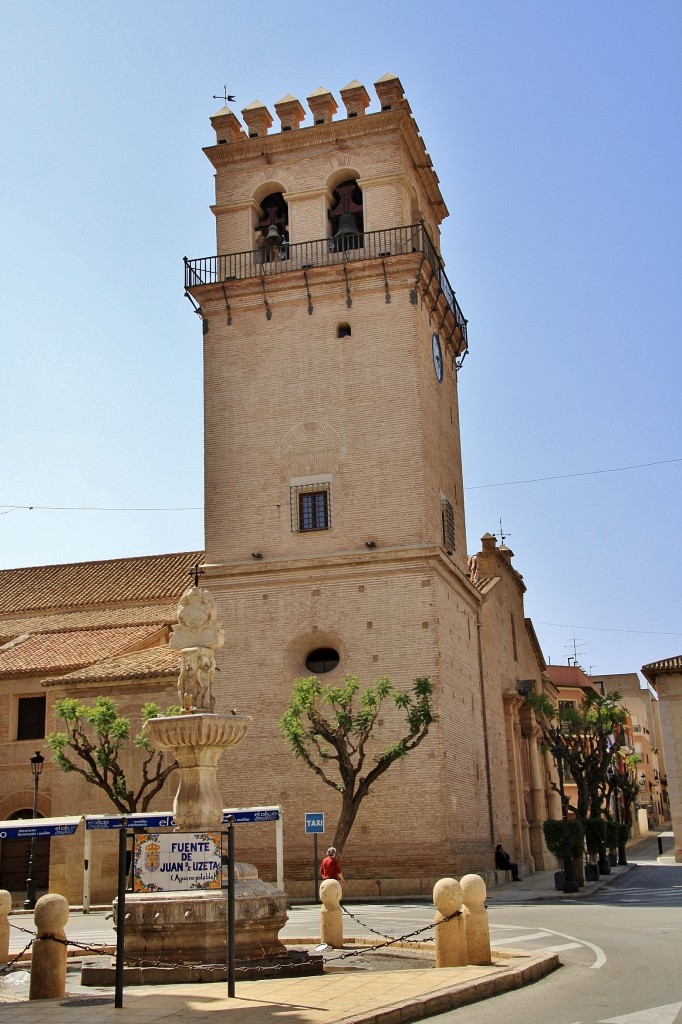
(272, 229)
(346, 216)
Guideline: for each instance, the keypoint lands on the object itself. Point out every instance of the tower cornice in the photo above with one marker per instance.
(224, 154)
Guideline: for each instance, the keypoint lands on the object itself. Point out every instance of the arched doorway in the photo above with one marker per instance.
(15, 855)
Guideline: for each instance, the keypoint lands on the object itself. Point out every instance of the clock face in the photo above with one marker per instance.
(437, 357)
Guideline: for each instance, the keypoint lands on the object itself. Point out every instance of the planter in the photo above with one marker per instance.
(622, 859)
(559, 880)
(613, 858)
(591, 872)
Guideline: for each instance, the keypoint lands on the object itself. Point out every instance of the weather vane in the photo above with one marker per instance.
(225, 97)
(502, 535)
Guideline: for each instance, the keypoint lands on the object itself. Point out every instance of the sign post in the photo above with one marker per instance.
(120, 914)
(314, 825)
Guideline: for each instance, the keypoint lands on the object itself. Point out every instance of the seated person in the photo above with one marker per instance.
(503, 862)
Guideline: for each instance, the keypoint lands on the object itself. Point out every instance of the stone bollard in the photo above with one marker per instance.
(5, 908)
(451, 939)
(48, 957)
(331, 915)
(476, 916)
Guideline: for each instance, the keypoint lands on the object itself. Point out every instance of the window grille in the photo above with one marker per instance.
(31, 718)
(448, 522)
(311, 507)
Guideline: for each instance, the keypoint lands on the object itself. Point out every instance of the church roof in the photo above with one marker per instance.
(84, 584)
(40, 653)
(148, 664)
(91, 618)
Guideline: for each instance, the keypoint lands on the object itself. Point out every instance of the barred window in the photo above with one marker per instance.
(311, 507)
(31, 718)
(448, 522)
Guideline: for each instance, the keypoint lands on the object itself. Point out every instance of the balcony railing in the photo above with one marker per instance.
(324, 252)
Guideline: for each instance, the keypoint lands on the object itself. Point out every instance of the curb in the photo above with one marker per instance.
(459, 995)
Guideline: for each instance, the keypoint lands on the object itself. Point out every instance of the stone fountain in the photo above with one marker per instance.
(190, 927)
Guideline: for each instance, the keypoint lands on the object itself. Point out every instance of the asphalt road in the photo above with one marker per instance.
(621, 950)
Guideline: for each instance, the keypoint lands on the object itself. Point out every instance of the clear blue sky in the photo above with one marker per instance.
(555, 131)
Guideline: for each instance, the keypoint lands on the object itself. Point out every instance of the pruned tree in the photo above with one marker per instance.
(98, 736)
(622, 786)
(588, 739)
(330, 728)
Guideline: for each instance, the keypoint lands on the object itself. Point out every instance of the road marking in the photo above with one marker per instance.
(521, 938)
(597, 950)
(566, 945)
(656, 1015)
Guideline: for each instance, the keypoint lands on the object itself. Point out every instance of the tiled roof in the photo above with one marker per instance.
(149, 664)
(41, 653)
(667, 665)
(87, 584)
(484, 583)
(57, 622)
(569, 675)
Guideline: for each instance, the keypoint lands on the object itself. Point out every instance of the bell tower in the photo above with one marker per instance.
(335, 534)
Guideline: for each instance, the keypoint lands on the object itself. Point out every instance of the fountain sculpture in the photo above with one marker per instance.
(189, 927)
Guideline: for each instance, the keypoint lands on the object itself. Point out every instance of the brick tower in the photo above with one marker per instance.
(335, 537)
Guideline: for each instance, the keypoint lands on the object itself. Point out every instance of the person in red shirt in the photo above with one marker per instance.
(330, 867)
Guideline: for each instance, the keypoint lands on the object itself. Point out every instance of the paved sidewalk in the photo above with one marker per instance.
(370, 997)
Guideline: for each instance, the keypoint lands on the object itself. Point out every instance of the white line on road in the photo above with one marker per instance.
(522, 938)
(565, 945)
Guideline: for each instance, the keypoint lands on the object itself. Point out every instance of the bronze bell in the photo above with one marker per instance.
(273, 237)
(347, 226)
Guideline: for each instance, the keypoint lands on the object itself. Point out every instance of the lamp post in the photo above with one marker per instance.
(37, 762)
(570, 884)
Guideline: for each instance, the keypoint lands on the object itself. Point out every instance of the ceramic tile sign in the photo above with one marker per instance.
(167, 861)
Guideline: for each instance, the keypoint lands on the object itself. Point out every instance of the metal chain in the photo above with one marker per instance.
(6, 968)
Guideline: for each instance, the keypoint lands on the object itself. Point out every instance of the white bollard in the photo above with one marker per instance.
(451, 941)
(476, 915)
(5, 908)
(48, 957)
(331, 915)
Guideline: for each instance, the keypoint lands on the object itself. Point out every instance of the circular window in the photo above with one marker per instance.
(322, 659)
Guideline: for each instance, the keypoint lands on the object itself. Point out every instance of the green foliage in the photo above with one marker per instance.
(98, 736)
(595, 835)
(553, 832)
(623, 833)
(612, 831)
(330, 727)
(587, 740)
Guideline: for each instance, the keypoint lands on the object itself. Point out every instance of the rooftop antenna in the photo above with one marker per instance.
(502, 535)
(574, 645)
(225, 97)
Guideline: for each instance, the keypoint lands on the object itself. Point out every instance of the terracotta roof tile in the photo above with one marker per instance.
(666, 665)
(569, 675)
(57, 622)
(148, 664)
(41, 653)
(83, 584)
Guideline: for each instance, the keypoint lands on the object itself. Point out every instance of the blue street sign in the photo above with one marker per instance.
(166, 820)
(24, 830)
(314, 822)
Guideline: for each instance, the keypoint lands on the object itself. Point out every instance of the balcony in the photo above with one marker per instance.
(340, 252)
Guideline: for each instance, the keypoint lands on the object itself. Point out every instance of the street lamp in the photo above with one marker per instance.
(570, 884)
(37, 762)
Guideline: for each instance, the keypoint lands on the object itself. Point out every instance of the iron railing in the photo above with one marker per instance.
(323, 252)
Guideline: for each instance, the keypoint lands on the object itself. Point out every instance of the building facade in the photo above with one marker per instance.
(334, 516)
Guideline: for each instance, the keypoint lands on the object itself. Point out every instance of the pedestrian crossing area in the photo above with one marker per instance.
(644, 895)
